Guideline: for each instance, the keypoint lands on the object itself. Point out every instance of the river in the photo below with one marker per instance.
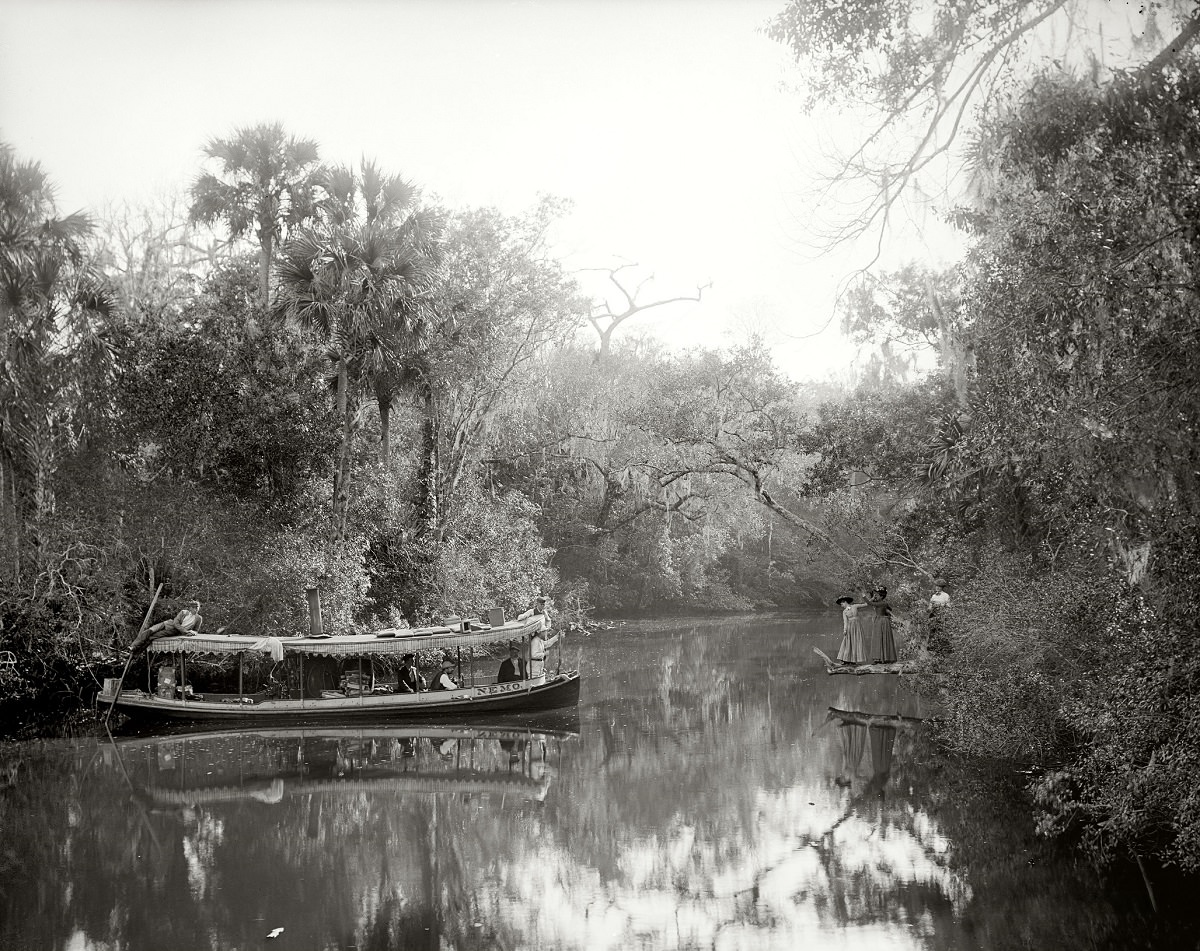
(716, 789)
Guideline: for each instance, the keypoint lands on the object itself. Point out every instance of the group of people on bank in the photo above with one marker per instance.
(867, 636)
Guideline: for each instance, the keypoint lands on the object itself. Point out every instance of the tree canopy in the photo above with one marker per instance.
(924, 74)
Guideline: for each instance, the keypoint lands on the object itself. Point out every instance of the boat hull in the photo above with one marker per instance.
(555, 692)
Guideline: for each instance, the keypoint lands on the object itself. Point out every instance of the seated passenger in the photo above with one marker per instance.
(512, 667)
(441, 680)
(409, 680)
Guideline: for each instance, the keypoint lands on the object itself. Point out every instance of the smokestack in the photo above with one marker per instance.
(314, 611)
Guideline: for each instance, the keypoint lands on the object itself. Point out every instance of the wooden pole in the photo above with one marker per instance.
(129, 659)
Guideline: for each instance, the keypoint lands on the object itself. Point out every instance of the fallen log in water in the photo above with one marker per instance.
(834, 667)
(892, 720)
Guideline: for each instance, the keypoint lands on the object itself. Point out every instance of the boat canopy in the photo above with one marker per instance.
(395, 642)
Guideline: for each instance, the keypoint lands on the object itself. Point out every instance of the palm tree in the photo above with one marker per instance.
(359, 280)
(53, 355)
(267, 183)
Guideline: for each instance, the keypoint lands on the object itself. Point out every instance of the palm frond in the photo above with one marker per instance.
(372, 179)
(395, 196)
(302, 152)
(210, 198)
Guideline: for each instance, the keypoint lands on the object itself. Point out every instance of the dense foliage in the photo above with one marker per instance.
(362, 392)
(1054, 477)
(392, 404)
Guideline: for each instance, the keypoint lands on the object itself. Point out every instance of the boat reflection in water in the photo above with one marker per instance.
(345, 837)
(268, 765)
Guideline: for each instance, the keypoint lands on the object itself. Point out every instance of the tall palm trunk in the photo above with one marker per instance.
(428, 505)
(10, 518)
(264, 269)
(341, 478)
(385, 427)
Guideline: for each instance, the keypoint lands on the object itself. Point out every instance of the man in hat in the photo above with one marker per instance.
(541, 610)
(441, 678)
(409, 678)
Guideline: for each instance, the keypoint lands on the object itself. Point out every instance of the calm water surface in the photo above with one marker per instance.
(715, 790)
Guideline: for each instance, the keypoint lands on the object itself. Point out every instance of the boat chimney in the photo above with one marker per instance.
(314, 611)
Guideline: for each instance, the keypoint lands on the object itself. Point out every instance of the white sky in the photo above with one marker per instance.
(664, 121)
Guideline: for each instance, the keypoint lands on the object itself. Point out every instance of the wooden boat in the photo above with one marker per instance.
(360, 657)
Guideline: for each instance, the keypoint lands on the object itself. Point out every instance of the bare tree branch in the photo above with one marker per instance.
(605, 312)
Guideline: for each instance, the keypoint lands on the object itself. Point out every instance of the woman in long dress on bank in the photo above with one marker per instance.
(853, 649)
(881, 641)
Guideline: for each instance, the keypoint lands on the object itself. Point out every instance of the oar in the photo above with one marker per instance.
(129, 660)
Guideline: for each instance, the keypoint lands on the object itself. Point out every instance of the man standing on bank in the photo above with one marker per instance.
(939, 605)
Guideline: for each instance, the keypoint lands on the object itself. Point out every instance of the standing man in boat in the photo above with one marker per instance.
(540, 638)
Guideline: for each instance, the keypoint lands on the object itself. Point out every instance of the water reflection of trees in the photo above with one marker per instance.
(712, 810)
(211, 843)
(714, 799)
